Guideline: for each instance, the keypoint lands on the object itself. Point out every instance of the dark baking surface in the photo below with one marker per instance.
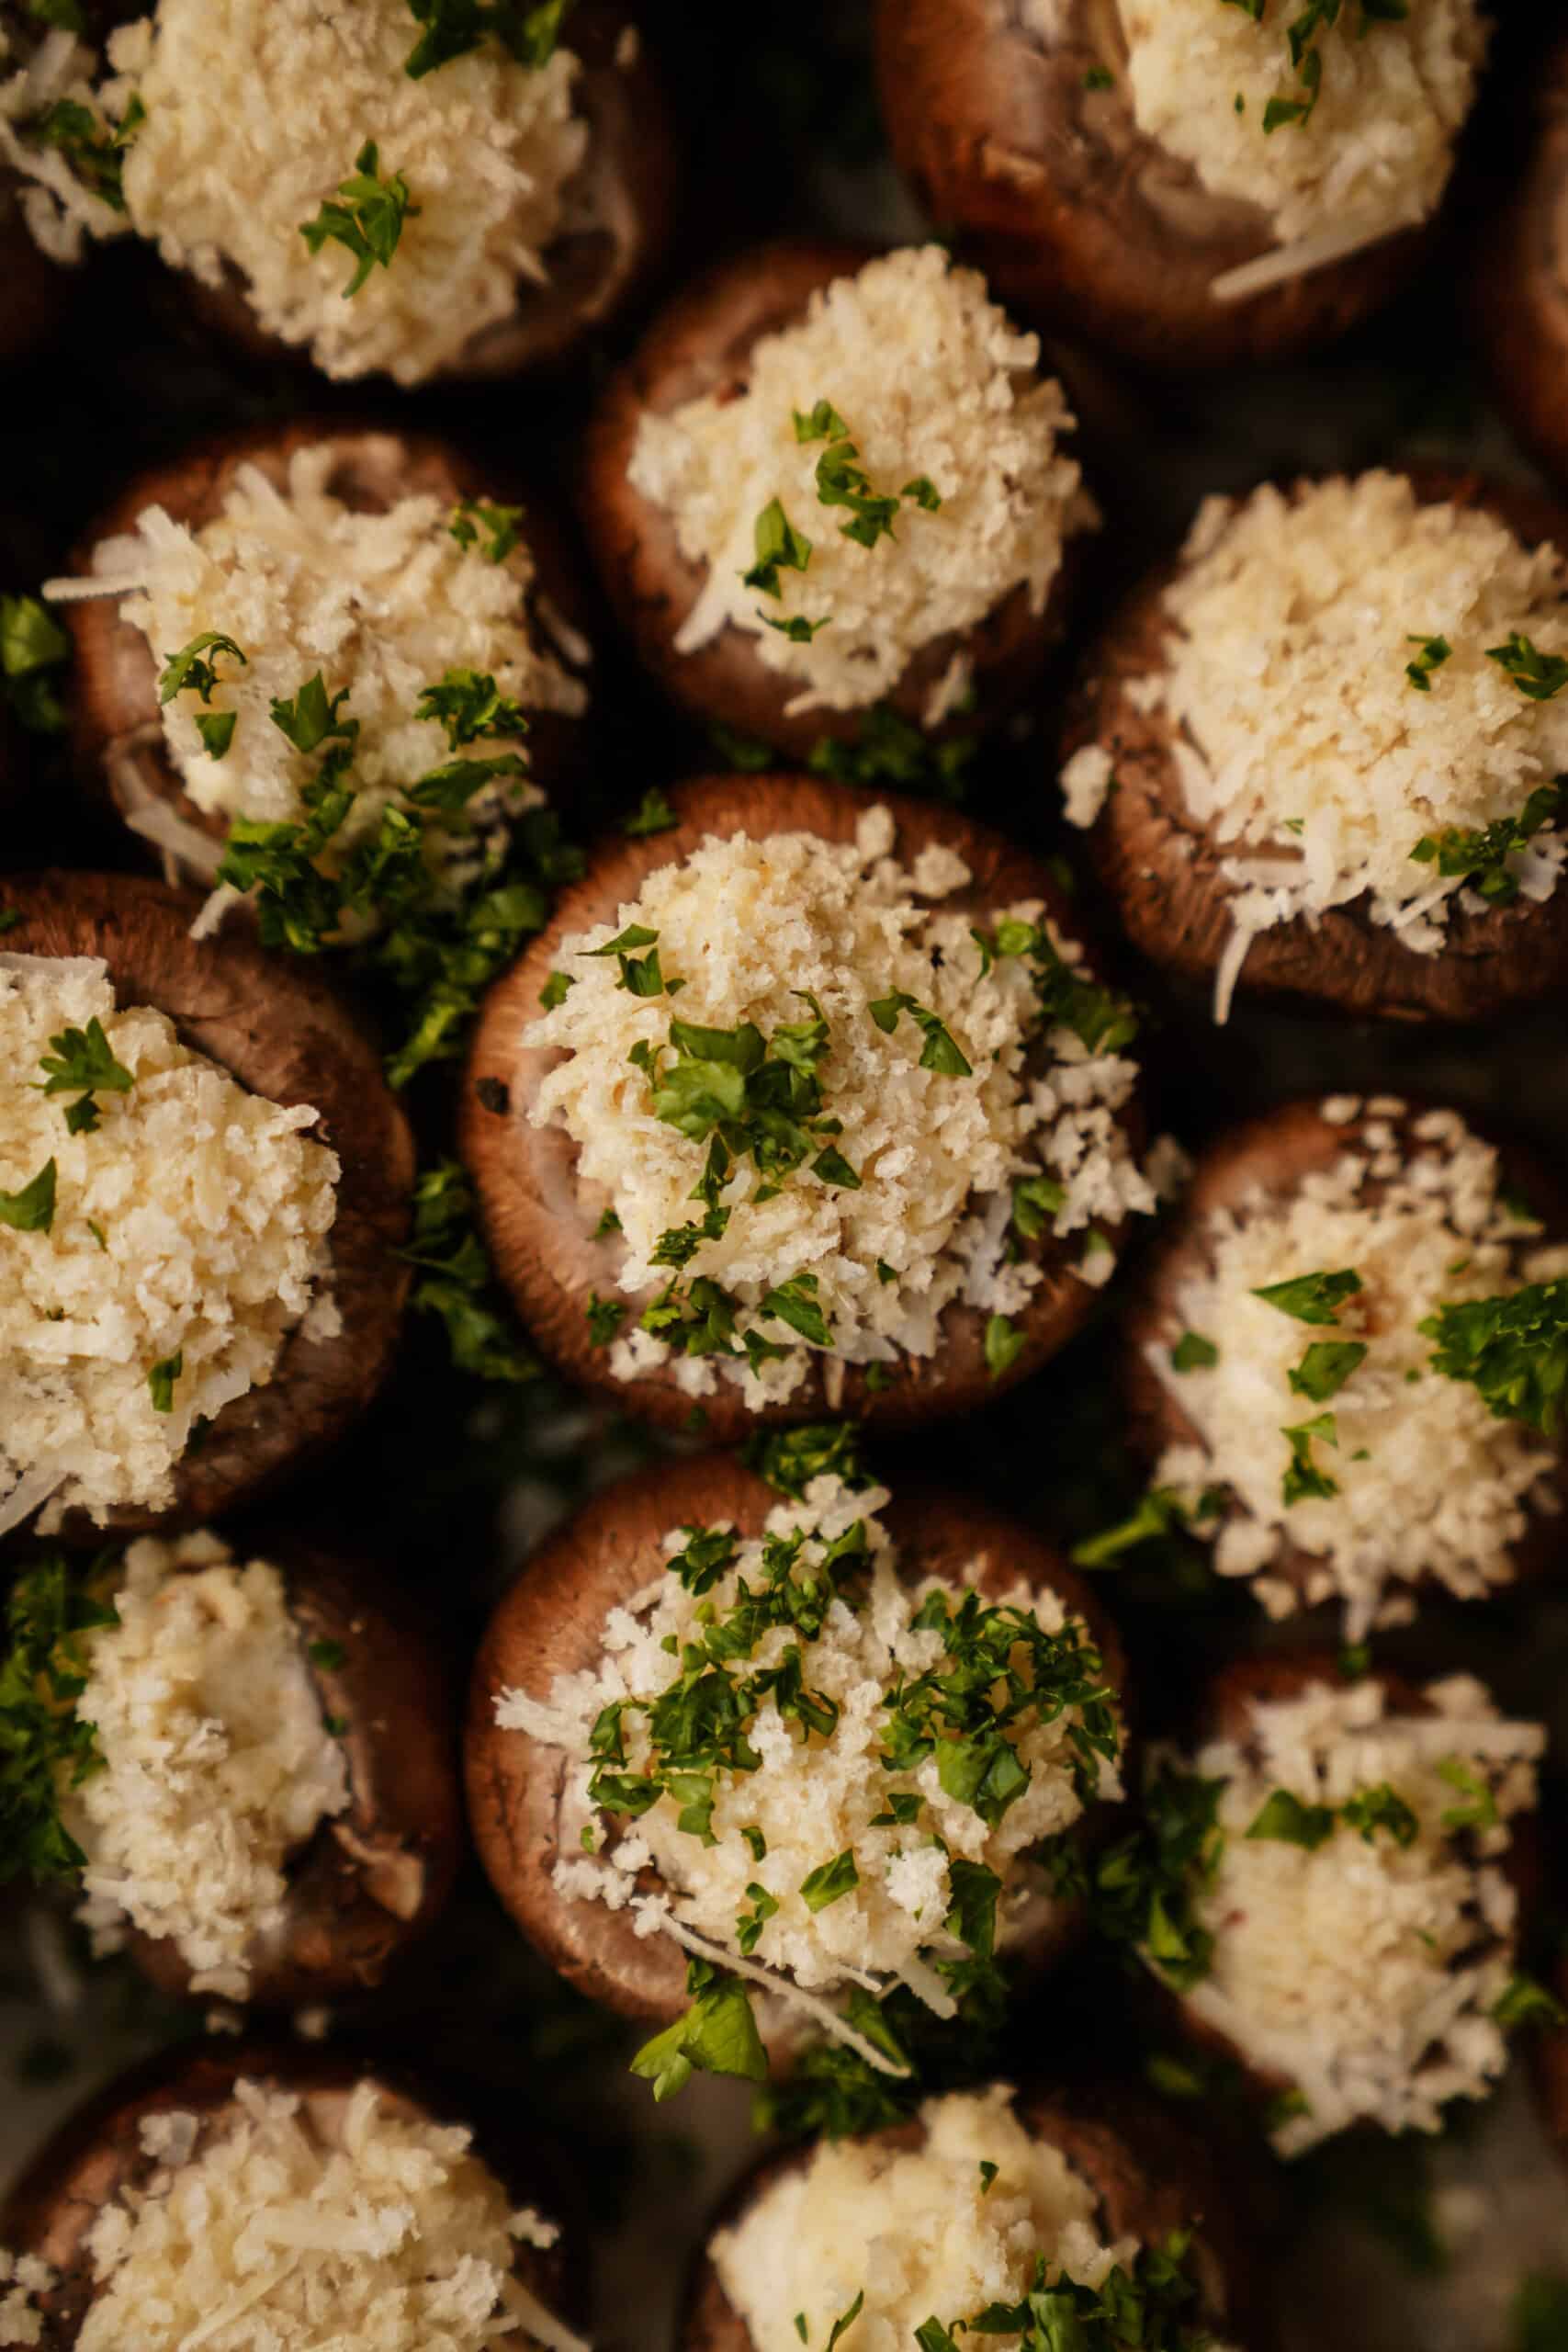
(450, 1486)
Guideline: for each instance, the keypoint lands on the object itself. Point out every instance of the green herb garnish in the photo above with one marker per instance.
(43, 1746)
(370, 223)
(1514, 1350)
(1483, 857)
(1312, 1299)
(1434, 652)
(32, 1209)
(455, 1279)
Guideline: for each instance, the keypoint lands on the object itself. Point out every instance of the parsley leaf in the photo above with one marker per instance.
(1325, 1367)
(1483, 857)
(822, 423)
(1286, 1819)
(653, 815)
(1434, 652)
(455, 1281)
(1142, 1889)
(888, 749)
(81, 1062)
(717, 2035)
(1312, 1299)
(1193, 1352)
(830, 1883)
(32, 645)
(1303, 1480)
(162, 1378)
(371, 223)
(43, 1746)
(466, 703)
(94, 149)
(1004, 1345)
(1540, 676)
(1514, 1350)
(216, 728)
(791, 1460)
(500, 525)
(1479, 1808)
(32, 1209)
(528, 30)
(779, 547)
(186, 673)
(606, 1316)
(939, 1052)
(1525, 2001)
(1379, 1807)
(795, 1302)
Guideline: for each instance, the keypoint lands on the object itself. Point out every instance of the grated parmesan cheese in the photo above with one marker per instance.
(1300, 741)
(1378, 150)
(921, 2231)
(1429, 1483)
(930, 379)
(218, 1765)
(293, 2222)
(752, 927)
(1366, 1973)
(381, 605)
(23, 2278)
(813, 1797)
(255, 111)
(214, 1208)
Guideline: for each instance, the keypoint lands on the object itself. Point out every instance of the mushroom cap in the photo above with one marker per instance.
(117, 727)
(1151, 2178)
(274, 1024)
(374, 1878)
(700, 347)
(1226, 1710)
(1520, 276)
(97, 2151)
(1162, 867)
(544, 1244)
(626, 192)
(1272, 1156)
(37, 290)
(552, 1622)
(1085, 223)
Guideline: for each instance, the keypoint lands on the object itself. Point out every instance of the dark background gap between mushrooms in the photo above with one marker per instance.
(450, 1485)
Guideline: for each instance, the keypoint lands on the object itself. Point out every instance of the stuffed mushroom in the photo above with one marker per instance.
(750, 1725)
(238, 2196)
(1343, 1363)
(392, 190)
(1062, 2209)
(1192, 184)
(282, 613)
(1344, 1869)
(1322, 753)
(204, 1186)
(253, 1780)
(829, 495)
(808, 1099)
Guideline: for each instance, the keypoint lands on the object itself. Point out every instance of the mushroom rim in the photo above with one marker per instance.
(1269, 1155)
(700, 345)
(1156, 859)
(612, 1550)
(86, 2161)
(395, 1696)
(1005, 132)
(118, 739)
(550, 1259)
(140, 930)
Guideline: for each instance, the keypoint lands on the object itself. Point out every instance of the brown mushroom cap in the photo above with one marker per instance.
(118, 718)
(552, 1622)
(701, 347)
(374, 1878)
(544, 1241)
(1082, 220)
(98, 2152)
(619, 214)
(1272, 1157)
(274, 1024)
(1150, 2176)
(1162, 867)
(1519, 279)
(1228, 1711)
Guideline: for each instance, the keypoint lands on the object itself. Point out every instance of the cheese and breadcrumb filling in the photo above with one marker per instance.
(23, 2278)
(188, 1236)
(1426, 1481)
(382, 605)
(217, 1767)
(929, 382)
(940, 2231)
(254, 112)
(1301, 740)
(1364, 1971)
(759, 932)
(813, 1787)
(291, 2222)
(1369, 146)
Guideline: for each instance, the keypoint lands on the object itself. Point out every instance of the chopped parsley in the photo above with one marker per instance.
(1478, 1805)
(502, 525)
(554, 989)
(717, 2035)
(327, 1657)
(32, 646)
(94, 149)
(528, 30)
(1143, 1890)
(889, 749)
(1102, 1021)
(830, 1883)
(370, 223)
(1514, 1350)
(43, 1672)
(779, 547)
(1312, 1299)
(1526, 2001)
(1482, 858)
(162, 1378)
(1285, 1819)
(1303, 1481)
(1193, 1352)
(1004, 1344)
(80, 1062)
(1155, 2303)
(1542, 676)
(795, 1302)
(653, 815)
(32, 1209)
(1379, 1807)
(456, 1282)
(605, 1317)
(797, 628)
(216, 728)
(187, 671)
(939, 1051)
(1434, 652)
(466, 703)
(1325, 1367)
(790, 1461)
(1099, 77)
